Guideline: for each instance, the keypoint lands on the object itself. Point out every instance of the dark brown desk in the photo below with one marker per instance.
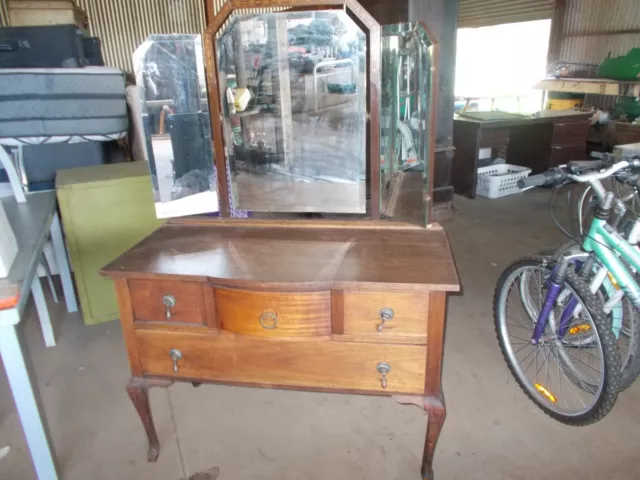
(538, 143)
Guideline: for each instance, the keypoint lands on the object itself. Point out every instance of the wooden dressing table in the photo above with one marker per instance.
(352, 305)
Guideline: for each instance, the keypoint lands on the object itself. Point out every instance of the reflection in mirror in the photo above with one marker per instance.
(407, 58)
(173, 96)
(293, 90)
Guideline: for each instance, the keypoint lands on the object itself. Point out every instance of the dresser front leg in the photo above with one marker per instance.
(436, 412)
(138, 390)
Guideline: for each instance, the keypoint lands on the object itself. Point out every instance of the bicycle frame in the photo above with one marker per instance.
(607, 245)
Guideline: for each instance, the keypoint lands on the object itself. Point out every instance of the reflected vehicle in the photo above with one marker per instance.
(173, 96)
(293, 90)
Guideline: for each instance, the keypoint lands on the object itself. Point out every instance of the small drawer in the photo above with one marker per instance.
(571, 132)
(168, 301)
(561, 154)
(273, 314)
(493, 137)
(301, 362)
(385, 314)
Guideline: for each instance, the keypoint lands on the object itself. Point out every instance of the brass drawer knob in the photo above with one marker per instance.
(175, 355)
(269, 319)
(383, 369)
(386, 315)
(169, 301)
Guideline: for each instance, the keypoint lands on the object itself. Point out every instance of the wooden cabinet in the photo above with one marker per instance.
(358, 309)
(105, 210)
(539, 143)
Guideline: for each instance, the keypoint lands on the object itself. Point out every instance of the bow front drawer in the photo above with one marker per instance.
(273, 314)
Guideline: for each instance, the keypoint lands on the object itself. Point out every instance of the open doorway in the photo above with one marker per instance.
(497, 66)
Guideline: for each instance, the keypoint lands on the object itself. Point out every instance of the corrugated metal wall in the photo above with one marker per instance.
(483, 13)
(4, 13)
(123, 24)
(594, 28)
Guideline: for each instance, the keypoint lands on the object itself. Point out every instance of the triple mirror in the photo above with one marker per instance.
(284, 112)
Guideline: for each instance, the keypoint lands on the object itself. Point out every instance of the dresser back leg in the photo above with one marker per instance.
(138, 390)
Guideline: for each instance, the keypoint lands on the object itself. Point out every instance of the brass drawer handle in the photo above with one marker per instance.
(175, 355)
(386, 315)
(383, 369)
(168, 301)
(269, 319)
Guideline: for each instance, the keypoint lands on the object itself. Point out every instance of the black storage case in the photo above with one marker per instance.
(50, 46)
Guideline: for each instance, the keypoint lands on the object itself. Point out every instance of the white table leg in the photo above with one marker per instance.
(43, 312)
(63, 264)
(25, 397)
(14, 179)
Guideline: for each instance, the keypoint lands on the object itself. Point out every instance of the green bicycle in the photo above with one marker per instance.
(555, 335)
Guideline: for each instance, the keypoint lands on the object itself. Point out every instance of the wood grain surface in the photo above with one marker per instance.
(274, 314)
(147, 301)
(362, 314)
(128, 329)
(297, 363)
(295, 258)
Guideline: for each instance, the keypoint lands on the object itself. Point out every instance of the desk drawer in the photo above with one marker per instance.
(274, 314)
(168, 301)
(561, 154)
(289, 363)
(493, 137)
(571, 132)
(404, 314)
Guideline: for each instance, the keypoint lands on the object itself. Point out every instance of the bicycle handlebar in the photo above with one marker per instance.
(550, 177)
(556, 176)
(589, 164)
(588, 177)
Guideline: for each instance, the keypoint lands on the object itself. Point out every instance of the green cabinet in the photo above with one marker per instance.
(106, 209)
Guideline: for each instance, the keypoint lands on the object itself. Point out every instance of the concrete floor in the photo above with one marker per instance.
(492, 430)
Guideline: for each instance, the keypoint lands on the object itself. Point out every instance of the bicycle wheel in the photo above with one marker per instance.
(541, 370)
(623, 318)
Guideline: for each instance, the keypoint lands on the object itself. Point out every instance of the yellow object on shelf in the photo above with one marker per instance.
(564, 103)
(241, 98)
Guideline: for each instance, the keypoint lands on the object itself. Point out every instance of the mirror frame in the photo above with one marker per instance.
(365, 22)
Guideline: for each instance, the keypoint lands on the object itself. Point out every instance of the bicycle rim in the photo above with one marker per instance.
(542, 369)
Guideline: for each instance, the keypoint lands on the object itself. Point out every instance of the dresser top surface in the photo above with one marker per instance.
(249, 255)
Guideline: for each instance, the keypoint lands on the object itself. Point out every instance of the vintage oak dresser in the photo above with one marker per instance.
(335, 282)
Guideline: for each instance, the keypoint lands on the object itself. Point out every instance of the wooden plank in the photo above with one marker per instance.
(128, 328)
(435, 344)
(298, 259)
(591, 86)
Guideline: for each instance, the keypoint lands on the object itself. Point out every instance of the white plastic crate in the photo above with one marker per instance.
(497, 181)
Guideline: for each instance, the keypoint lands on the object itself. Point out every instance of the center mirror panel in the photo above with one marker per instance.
(293, 93)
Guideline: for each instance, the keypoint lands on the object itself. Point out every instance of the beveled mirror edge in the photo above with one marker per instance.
(433, 114)
(370, 27)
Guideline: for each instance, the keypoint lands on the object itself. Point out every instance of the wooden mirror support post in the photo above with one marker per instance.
(345, 306)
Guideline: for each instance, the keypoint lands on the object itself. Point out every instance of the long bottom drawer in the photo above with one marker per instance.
(293, 363)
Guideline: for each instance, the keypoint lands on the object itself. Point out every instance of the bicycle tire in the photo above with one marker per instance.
(630, 363)
(607, 396)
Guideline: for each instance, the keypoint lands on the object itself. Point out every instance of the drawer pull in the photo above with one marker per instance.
(269, 319)
(386, 315)
(175, 355)
(383, 369)
(168, 301)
